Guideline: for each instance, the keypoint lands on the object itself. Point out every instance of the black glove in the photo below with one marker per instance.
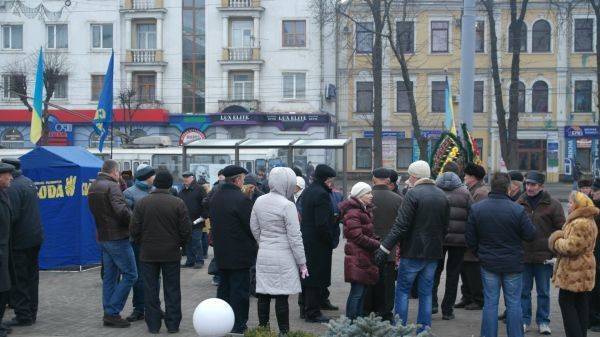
(380, 257)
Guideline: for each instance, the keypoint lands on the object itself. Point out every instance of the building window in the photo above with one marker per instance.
(583, 96)
(12, 139)
(10, 83)
(438, 96)
(12, 37)
(95, 140)
(402, 97)
(478, 97)
(404, 153)
(364, 37)
(584, 35)
(405, 33)
(61, 89)
(241, 86)
(97, 82)
(512, 39)
(439, 36)
(364, 151)
(145, 87)
(364, 97)
(193, 58)
(102, 35)
(294, 85)
(480, 36)
(540, 36)
(146, 36)
(532, 155)
(479, 143)
(521, 96)
(294, 33)
(539, 97)
(58, 36)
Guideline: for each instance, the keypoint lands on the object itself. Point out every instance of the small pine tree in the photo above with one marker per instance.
(371, 326)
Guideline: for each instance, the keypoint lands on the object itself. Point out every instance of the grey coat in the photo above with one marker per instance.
(134, 194)
(276, 228)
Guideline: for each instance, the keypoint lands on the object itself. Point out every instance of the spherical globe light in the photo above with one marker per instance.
(213, 318)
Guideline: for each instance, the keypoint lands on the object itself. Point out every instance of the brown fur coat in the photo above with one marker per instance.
(575, 267)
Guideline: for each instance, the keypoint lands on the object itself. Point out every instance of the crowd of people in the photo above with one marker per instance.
(273, 236)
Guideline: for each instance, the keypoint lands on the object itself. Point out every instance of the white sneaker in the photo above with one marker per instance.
(544, 329)
(525, 328)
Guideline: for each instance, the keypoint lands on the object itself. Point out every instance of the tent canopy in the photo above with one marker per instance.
(60, 156)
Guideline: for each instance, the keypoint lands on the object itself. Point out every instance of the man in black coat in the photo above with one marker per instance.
(6, 178)
(26, 238)
(193, 195)
(316, 224)
(235, 247)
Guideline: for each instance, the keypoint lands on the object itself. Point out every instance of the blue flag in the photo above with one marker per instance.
(104, 112)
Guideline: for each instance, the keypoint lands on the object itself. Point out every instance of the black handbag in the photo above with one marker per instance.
(213, 269)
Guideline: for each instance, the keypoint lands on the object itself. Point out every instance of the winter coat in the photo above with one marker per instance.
(479, 191)
(597, 248)
(276, 228)
(193, 197)
(234, 245)
(575, 267)
(548, 216)
(316, 223)
(5, 217)
(496, 228)
(422, 222)
(359, 265)
(26, 231)
(386, 205)
(160, 226)
(109, 209)
(136, 193)
(460, 201)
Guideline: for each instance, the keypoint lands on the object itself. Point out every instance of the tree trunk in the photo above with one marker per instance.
(377, 84)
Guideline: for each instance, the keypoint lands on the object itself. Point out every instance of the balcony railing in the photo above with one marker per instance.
(143, 4)
(144, 55)
(240, 3)
(240, 54)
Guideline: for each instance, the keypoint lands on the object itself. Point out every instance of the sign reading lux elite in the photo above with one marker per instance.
(263, 118)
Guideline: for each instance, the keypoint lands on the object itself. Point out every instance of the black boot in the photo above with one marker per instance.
(282, 311)
(264, 306)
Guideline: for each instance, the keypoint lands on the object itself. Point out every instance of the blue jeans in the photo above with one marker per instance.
(355, 300)
(193, 248)
(118, 259)
(542, 274)
(205, 244)
(424, 271)
(511, 287)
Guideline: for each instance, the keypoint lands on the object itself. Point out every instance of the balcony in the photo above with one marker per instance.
(241, 5)
(145, 56)
(143, 4)
(241, 55)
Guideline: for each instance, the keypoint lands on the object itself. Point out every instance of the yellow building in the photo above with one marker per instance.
(557, 125)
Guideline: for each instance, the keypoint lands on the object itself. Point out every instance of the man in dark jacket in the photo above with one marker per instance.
(26, 238)
(160, 226)
(548, 216)
(495, 231)
(316, 224)
(112, 216)
(6, 178)
(460, 201)
(192, 195)
(235, 247)
(420, 227)
(379, 298)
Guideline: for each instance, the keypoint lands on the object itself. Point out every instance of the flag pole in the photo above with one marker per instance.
(111, 141)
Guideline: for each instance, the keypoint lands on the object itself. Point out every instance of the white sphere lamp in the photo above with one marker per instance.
(213, 318)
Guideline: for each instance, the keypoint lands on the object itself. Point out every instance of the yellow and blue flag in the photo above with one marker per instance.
(104, 112)
(450, 126)
(35, 132)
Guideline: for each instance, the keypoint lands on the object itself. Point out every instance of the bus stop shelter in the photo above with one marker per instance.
(283, 144)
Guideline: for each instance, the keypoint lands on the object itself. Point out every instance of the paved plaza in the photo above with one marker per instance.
(70, 304)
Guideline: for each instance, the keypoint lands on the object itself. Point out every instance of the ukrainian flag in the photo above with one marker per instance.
(450, 126)
(36, 115)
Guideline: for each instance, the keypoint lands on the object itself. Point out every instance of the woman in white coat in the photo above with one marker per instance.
(280, 262)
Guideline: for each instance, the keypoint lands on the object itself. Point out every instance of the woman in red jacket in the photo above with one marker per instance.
(359, 268)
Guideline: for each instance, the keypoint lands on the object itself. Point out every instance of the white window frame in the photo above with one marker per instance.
(4, 97)
(66, 97)
(527, 97)
(552, 36)
(54, 27)
(415, 23)
(355, 155)
(575, 78)
(450, 32)
(295, 92)
(545, 80)
(583, 16)
(355, 95)
(486, 32)
(246, 95)
(10, 26)
(146, 35)
(101, 25)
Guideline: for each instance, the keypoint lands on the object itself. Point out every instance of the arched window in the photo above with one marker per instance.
(521, 96)
(539, 97)
(12, 139)
(511, 39)
(95, 140)
(540, 36)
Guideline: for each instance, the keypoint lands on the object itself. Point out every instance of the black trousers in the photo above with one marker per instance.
(26, 277)
(574, 310)
(453, 268)
(282, 311)
(472, 288)
(594, 298)
(379, 298)
(234, 288)
(312, 300)
(172, 292)
(4, 296)
(324, 298)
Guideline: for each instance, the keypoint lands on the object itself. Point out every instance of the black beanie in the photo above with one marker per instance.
(163, 179)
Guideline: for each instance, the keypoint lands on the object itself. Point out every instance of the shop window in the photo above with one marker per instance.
(12, 139)
(532, 155)
(364, 151)
(404, 153)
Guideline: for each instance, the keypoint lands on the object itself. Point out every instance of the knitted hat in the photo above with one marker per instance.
(163, 179)
(419, 169)
(300, 182)
(580, 200)
(359, 189)
(144, 172)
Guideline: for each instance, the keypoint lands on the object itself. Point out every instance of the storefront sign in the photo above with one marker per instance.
(389, 150)
(59, 134)
(393, 134)
(552, 154)
(582, 131)
(584, 143)
(191, 134)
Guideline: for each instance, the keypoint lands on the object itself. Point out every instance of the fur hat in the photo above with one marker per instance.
(322, 172)
(584, 183)
(475, 170)
(381, 173)
(419, 169)
(163, 179)
(359, 189)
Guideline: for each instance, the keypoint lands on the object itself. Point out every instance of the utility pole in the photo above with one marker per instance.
(467, 64)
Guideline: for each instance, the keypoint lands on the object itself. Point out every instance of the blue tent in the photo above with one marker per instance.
(62, 176)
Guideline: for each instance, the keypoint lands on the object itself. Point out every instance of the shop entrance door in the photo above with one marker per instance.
(532, 155)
